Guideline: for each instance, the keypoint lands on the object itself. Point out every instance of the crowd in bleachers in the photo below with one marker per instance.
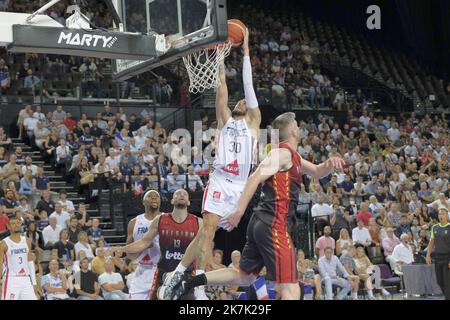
(27, 76)
(396, 181)
(287, 50)
(388, 196)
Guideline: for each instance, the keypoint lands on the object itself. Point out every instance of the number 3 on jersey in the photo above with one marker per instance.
(235, 147)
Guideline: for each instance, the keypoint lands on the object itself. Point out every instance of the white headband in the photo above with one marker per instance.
(147, 193)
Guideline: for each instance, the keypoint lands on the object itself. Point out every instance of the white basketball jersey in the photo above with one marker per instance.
(150, 256)
(15, 262)
(235, 150)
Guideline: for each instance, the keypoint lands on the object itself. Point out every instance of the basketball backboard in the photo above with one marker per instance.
(188, 26)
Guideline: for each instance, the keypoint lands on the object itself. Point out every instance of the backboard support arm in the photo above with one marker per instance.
(42, 10)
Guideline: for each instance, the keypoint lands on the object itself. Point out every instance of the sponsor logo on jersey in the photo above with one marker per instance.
(21, 272)
(147, 260)
(232, 168)
(174, 255)
(216, 195)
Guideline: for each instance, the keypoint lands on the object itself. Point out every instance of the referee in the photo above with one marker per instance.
(439, 247)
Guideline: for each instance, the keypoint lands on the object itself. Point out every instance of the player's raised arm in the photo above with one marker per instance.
(254, 114)
(276, 160)
(223, 113)
(323, 169)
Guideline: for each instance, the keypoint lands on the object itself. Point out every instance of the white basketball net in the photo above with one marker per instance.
(203, 67)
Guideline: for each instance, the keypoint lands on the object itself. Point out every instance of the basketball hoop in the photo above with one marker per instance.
(203, 67)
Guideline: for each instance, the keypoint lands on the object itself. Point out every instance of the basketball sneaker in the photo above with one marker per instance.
(171, 281)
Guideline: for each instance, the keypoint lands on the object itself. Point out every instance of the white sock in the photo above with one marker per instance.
(199, 272)
(180, 268)
(354, 295)
(370, 293)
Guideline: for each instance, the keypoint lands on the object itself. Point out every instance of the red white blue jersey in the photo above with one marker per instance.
(235, 151)
(15, 262)
(150, 256)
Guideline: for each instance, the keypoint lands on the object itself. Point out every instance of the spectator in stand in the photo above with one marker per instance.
(5, 141)
(333, 273)
(325, 241)
(87, 139)
(322, 211)
(175, 181)
(67, 205)
(90, 78)
(368, 273)
(61, 216)
(361, 235)
(42, 182)
(20, 158)
(30, 124)
(349, 264)
(4, 220)
(46, 203)
(86, 282)
(161, 165)
(74, 229)
(27, 189)
(113, 160)
(98, 263)
(42, 220)
(404, 226)
(63, 156)
(3, 157)
(83, 245)
(65, 247)
(84, 219)
(29, 166)
(394, 215)
(59, 114)
(344, 242)
(195, 183)
(32, 82)
(10, 204)
(11, 171)
(364, 214)
(374, 206)
(111, 283)
(95, 233)
(51, 234)
(54, 284)
(402, 254)
(41, 134)
(34, 237)
(76, 263)
(340, 219)
(389, 244)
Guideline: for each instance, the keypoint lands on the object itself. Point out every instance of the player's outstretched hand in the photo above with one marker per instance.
(232, 221)
(336, 163)
(110, 252)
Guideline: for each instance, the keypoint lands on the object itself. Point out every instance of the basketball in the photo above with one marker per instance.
(236, 31)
